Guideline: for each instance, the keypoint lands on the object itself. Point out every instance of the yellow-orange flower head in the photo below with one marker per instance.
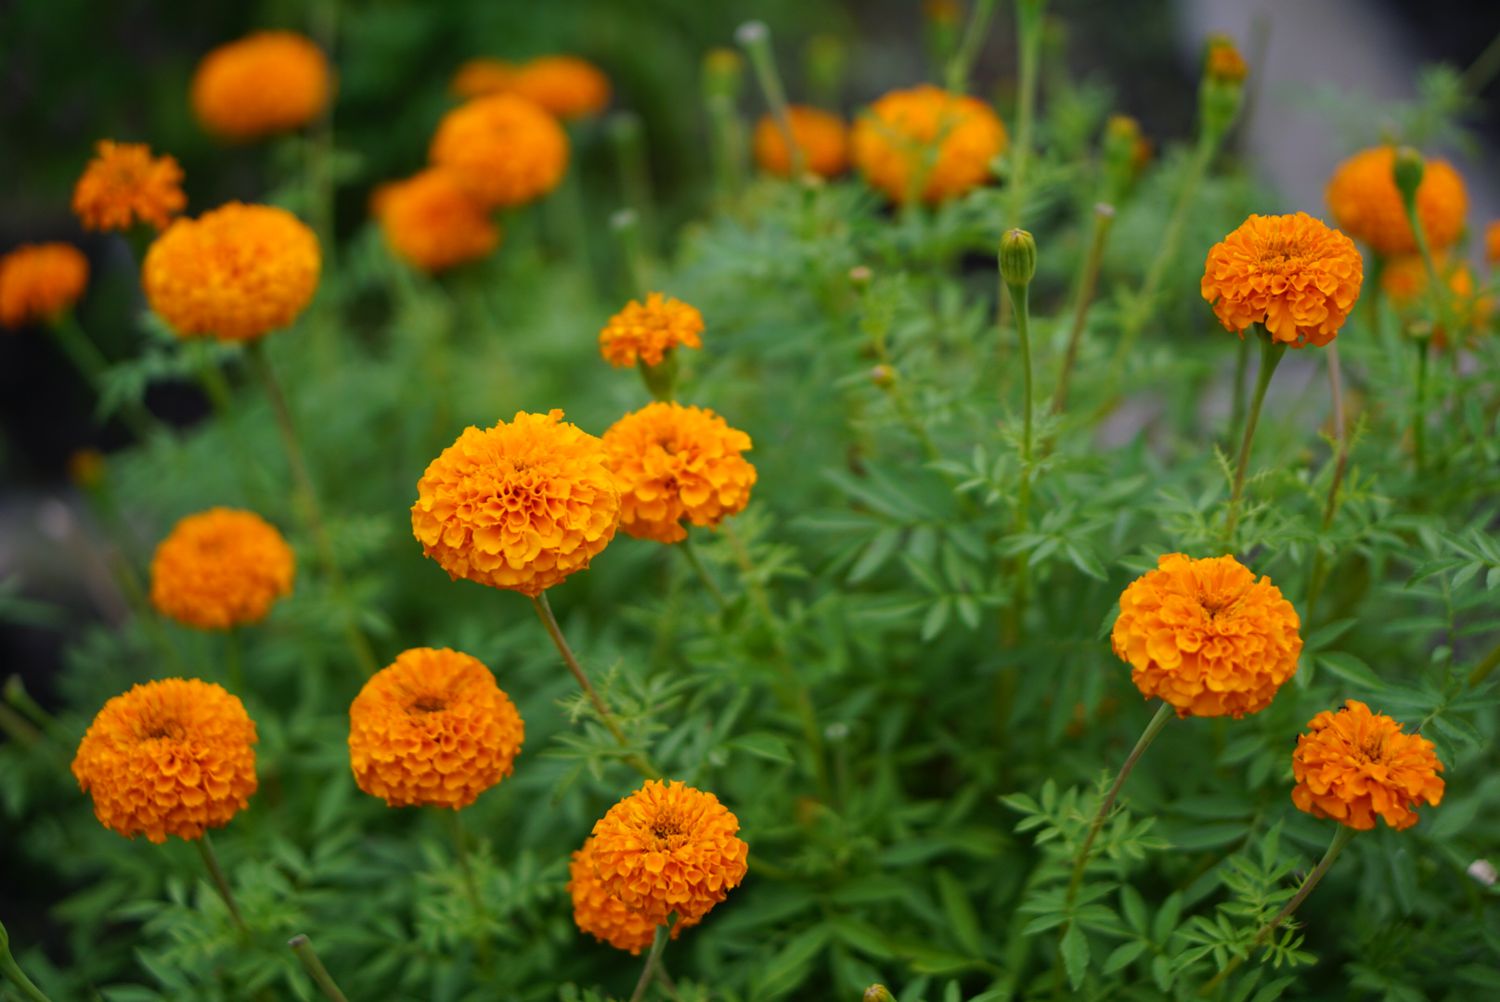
(234, 273)
(1206, 637)
(262, 84)
(677, 464)
(433, 222)
(173, 757)
(221, 568)
(1293, 274)
(432, 729)
(566, 86)
(520, 506)
(601, 914)
(944, 141)
(669, 848)
(124, 185)
(820, 135)
(504, 148)
(1366, 204)
(1355, 765)
(645, 332)
(480, 77)
(40, 282)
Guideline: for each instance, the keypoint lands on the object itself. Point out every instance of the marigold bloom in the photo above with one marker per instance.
(40, 281)
(645, 332)
(566, 86)
(262, 84)
(669, 848)
(1293, 274)
(433, 222)
(926, 134)
(601, 914)
(124, 184)
(234, 273)
(520, 506)
(677, 463)
(1492, 242)
(506, 149)
(173, 757)
(221, 568)
(1206, 637)
(1355, 764)
(820, 135)
(432, 729)
(483, 76)
(1365, 203)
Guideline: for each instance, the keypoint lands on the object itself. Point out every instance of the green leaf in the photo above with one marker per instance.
(1075, 952)
(962, 921)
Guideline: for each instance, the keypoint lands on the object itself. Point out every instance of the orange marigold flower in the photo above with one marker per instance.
(262, 84)
(40, 281)
(173, 757)
(645, 332)
(894, 143)
(669, 848)
(1404, 280)
(434, 729)
(125, 185)
(480, 77)
(566, 86)
(1293, 274)
(235, 273)
(821, 136)
(677, 463)
(1365, 203)
(521, 505)
(1206, 637)
(221, 568)
(1355, 764)
(504, 148)
(433, 222)
(601, 914)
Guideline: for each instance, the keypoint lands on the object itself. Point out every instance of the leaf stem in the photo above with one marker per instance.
(311, 963)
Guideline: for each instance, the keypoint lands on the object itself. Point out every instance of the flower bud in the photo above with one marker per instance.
(878, 993)
(1017, 257)
(860, 276)
(882, 375)
(1222, 61)
(1223, 87)
(1125, 153)
(1407, 170)
(723, 73)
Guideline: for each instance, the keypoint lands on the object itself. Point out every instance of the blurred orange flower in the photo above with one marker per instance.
(40, 281)
(566, 86)
(221, 568)
(1355, 765)
(262, 84)
(504, 148)
(645, 332)
(432, 729)
(1293, 274)
(173, 757)
(433, 222)
(124, 184)
(944, 141)
(1492, 242)
(480, 77)
(1365, 203)
(822, 137)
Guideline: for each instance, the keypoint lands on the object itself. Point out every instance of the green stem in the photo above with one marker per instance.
(221, 884)
(1029, 31)
(691, 552)
(1340, 839)
(311, 963)
(626, 224)
(1237, 400)
(626, 132)
(755, 37)
(11, 971)
(1482, 70)
(1271, 352)
(1340, 464)
(1419, 412)
(1485, 667)
(957, 78)
(1019, 296)
(606, 716)
(92, 365)
(471, 885)
(658, 944)
(1088, 282)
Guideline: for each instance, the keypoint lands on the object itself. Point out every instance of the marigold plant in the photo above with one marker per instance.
(221, 568)
(1365, 203)
(519, 506)
(566, 86)
(1292, 274)
(433, 222)
(173, 757)
(928, 143)
(1206, 636)
(669, 849)
(645, 332)
(599, 913)
(40, 281)
(432, 729)
(262, 84)
(1354, 766)
(507, 150)
(822, 137)
(234, 273)
(677, 464)
(124, 185)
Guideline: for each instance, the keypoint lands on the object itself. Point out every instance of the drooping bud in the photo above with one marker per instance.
(1017, 258)
(878, 993)
(1223, 88)
(1407, 171)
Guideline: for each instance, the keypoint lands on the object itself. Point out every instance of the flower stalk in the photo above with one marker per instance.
(653, 959)
(1088, 282)
(11, 971)
(1271, 352)
(1017, 267)
(755, 38)
(313, 965)
(956, 79)
(1029, 34)
(220, 882)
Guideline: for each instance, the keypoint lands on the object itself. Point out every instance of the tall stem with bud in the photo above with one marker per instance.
(755, 38)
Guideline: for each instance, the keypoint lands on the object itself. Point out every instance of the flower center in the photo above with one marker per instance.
(156, 730)
(427, 704)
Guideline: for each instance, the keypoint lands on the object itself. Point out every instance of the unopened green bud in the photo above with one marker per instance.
(723, 73)
(1223, 88)
(1407, 170)
(1017, 257)
(878, 993)
(1125, 153)
(860, 276)
(882, 375)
